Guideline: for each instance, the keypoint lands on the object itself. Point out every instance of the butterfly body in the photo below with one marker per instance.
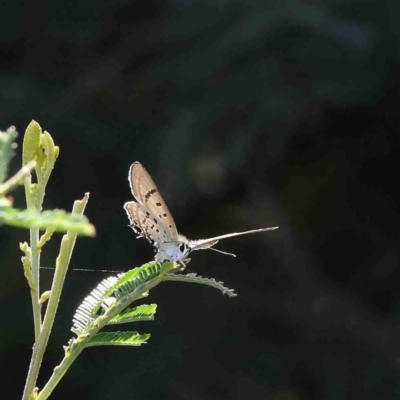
(150, 218)
(173, 251)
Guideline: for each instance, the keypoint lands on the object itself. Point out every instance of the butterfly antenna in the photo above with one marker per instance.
(212, 248)
(222, 252)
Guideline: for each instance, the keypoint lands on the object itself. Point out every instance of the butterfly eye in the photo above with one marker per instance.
(182, 247)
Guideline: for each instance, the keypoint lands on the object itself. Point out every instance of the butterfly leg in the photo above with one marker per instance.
(183, 264)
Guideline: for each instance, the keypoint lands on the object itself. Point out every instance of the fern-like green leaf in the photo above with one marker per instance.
(139, 277)
(56, 220)
(144, 312)
(113, 291)
(87, 312)
(118, 339)
(193, 278)
(136, 278)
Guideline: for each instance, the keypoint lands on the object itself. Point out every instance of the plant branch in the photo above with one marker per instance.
(78, 344)
(16, 179)
(62, 263)
(33, 205)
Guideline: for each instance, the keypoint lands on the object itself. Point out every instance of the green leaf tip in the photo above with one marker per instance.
(47, 150)
(31, 142)
(39, 146)
(80, 205)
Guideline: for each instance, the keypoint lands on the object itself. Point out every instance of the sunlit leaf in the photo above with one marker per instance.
(118, 339)
(145, 312)
(31, 142)
(56, 220)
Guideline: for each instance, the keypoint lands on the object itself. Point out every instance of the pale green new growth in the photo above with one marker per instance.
(45, 296)
(118, 339)
(46, 237)
(31, 142)
(39, 153)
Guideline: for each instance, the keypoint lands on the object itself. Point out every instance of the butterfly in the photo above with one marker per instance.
(150, 218)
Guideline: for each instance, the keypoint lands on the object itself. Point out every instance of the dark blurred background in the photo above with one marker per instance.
(247, 114)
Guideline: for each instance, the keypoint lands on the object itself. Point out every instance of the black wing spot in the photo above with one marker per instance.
(152, 227)
(155, 220)
(157, 230)
(150, 193)
(170, 226)
(159, 204)
(165, 214)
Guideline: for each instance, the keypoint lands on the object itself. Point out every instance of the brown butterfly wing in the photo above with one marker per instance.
(146, 193)
(145, 223)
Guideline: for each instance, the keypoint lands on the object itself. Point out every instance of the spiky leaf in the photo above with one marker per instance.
(118, 339)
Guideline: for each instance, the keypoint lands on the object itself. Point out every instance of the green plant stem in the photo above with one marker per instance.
(16, 179)
(34, 202)
(37, 317)
(63, 259)
(60, 371)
